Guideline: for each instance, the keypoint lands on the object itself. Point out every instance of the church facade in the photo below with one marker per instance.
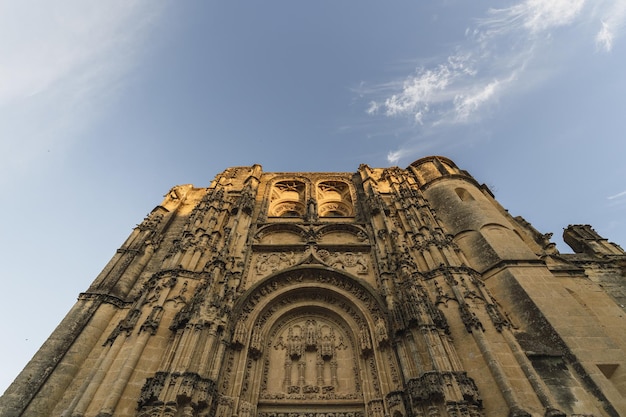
(385, 292)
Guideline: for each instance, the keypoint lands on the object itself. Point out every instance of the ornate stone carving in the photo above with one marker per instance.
(382, 338)
(256, 343)
(224, 406)
(318, 277)
(375, 204)
(375, 408)
(309, 414)
(188, 388)
(295, 345)
(246, 409)
(267, 263)
(334, 199)
(126, 325)
(181, 297)
(151, 221)
(327, 394)
(417, 310)
(246, 201)
(430, 387)
(190, 309)
(345, 260)
(152, 388)
(150, 295)
(240, 335)
(287, 199)
(310, 349)
(152, 321)
(365, 341)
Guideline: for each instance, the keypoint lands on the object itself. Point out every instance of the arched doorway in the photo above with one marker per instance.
(308, 342)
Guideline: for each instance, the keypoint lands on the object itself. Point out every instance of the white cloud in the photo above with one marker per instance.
(493, 61)
(466, 105)
(604, 38)
(534, 15)
(394, 156)
(618, 195)
(419, 91)
(423, 93)
(611, 25)
(373, 107)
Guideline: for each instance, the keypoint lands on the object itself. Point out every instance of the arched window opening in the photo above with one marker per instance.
(287, 199)
(334, 199)
(463, 194)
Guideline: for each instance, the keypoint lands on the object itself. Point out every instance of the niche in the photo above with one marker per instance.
(334, 199)
(287, 199)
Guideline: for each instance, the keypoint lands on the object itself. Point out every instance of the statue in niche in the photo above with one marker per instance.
(326, 348)
(239, 337)
(294, 344)
(311, 334)
(381, 331)
(256, 342)
(311, 209)
(365, 340)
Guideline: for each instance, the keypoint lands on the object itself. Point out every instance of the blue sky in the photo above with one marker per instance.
(106, 105)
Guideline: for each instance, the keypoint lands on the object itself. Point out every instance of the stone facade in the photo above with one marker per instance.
(381, 293)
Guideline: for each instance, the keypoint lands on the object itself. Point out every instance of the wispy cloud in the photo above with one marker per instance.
(618, 195)
(59, 61)
(491, 62)
(617, 201)
(534, 16)
(611, 25)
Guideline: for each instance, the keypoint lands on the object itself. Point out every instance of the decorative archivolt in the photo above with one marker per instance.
(344, 229)
(308, 336)
(347, 233)
(280, 233)
(353, 296)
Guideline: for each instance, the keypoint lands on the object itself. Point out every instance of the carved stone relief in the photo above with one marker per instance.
(310, 356)
(305, 414)
(353, 262)
(272, 262)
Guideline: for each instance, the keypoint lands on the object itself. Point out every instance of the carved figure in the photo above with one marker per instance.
(381, 331)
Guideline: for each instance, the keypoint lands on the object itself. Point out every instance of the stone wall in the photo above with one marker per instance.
(384, 292)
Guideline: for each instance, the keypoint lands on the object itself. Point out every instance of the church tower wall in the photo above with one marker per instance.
(384, 292)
